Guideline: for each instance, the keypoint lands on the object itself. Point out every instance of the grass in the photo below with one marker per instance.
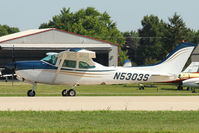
(97, 121)
(101, 121)
(20, 89)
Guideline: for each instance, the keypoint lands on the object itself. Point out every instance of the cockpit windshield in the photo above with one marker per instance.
(52, 59)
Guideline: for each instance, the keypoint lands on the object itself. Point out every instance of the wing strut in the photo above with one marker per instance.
(59, 67)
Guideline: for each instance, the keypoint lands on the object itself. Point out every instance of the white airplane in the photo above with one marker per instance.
(190, 77)
(75, 66)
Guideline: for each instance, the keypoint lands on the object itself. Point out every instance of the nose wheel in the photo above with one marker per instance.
(31, 93)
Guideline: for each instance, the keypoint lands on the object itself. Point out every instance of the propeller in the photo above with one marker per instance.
(10, 67)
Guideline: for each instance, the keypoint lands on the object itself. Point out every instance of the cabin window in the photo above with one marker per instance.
(69, 63)
(84, 65)
(52, 59)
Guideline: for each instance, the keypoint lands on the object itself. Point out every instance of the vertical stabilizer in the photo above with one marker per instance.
(175, 61)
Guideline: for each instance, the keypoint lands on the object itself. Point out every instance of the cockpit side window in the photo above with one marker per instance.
(84, 65)
(52, 59)
(69, 63)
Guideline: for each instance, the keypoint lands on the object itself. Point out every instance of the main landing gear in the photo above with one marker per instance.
(180, 87)
(31, 93)
(70, 92)
(65, 92)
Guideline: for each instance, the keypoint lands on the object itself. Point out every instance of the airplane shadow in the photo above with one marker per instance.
(171, 89)
(130, 86)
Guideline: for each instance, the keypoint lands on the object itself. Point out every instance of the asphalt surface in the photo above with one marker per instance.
(79, 103)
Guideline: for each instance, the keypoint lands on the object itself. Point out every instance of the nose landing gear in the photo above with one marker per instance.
(31, 93)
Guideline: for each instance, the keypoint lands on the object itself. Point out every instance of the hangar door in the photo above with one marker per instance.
(102, 57)
(21, 55)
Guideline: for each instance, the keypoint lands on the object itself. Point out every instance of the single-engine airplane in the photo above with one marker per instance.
(75, 66)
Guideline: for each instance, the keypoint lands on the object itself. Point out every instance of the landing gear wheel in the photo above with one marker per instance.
(31, 93)
(141, 87)
(193, 91)
(65, 93)
(180, 87)
(188, 88)
(72, 92)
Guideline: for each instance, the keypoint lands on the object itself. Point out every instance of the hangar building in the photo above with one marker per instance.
(34, 44)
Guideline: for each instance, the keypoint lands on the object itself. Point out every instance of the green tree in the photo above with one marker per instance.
(131, 44)
(195, 36)
(5, 30)
(122, 56)
(151, 34)
(87, 22)
(177, 31)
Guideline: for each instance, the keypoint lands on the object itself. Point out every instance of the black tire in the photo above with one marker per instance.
(180, 87)
(31, 93)
(141, 87)
(194, 91)
(64, 93)
(72, 92)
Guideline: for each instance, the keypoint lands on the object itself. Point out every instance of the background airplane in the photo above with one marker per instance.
(189, 73)
(189, 77)
(75, 66)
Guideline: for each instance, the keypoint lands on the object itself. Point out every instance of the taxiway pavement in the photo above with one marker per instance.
(91, 103)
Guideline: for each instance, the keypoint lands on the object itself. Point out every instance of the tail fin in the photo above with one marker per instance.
(193, 67)
(175, 61)
(127, 63)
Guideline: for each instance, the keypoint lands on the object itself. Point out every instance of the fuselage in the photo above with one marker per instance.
(43, 72)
